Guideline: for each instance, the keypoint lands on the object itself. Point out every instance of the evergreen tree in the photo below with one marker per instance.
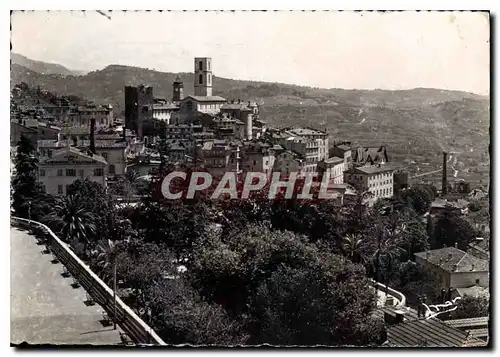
(24, 184)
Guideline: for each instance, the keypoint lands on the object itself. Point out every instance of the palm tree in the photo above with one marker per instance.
(388, 249)
(75, 222)
(351, 246)
(104, 258)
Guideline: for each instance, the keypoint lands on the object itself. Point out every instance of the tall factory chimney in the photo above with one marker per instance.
(444, 188)
(92, 136)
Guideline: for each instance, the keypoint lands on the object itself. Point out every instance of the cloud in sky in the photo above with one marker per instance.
(396, 50)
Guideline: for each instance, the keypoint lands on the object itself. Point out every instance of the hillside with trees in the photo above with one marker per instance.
(415, 125)
(255, 271)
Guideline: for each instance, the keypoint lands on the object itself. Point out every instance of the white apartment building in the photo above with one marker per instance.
(334, 167)
(376, 179)
(113, 151)
(67, 165)
(164, 112)
(209, 105)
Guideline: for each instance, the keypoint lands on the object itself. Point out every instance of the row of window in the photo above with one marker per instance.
(383, 192)
(209, 106)
(382, 175)
(81, 172)
(378, 183)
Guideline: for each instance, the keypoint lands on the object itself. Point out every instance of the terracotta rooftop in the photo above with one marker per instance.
(75, 130)
(373, 169)
(475, 291)
(429, 333)
(165, 106)
(74, 150)
(234, 106)
(306, 131)
(343, 147)
(334, 160)
(105, 143)
(454, 260)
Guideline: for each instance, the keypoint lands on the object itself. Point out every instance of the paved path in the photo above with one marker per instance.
(44, 307)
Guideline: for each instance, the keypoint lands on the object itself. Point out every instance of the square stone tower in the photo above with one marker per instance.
(203, 76)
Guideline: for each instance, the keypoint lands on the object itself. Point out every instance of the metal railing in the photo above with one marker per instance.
(391, 292)
(137, 329)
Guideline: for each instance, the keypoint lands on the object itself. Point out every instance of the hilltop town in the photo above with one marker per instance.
(422, 251)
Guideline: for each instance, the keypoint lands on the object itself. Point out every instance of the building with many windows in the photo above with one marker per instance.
(110, 146)
(311, 144)
(334, 167)
(376, 179)
(67, 165)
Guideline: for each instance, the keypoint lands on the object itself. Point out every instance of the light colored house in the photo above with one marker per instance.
(203, 104)
(164, 111)
(452, 267)
(376, 179)
(112, 150)
(334, 167)
(67, 165)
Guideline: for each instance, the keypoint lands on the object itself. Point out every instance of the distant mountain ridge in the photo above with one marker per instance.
(415, 124)
(117, 77)
(42, 67)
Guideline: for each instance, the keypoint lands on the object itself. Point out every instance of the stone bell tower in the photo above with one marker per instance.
(203, 76)
(178, 90)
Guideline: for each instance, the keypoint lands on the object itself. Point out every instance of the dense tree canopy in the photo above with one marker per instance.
(419, 197)
(25, 185)
(251, 271)
(450, 229)
(470, 306)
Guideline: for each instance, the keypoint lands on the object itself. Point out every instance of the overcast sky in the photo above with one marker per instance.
(323, 49)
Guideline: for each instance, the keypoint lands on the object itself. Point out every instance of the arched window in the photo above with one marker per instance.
(201, 79)
(200, 66)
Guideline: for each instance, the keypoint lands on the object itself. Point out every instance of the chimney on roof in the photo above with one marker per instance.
(456, 245)
(92, 136)
(450, 256)
(440, 260)
(455, 267)
(472, 267)
(239, 101)
(232, 101)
